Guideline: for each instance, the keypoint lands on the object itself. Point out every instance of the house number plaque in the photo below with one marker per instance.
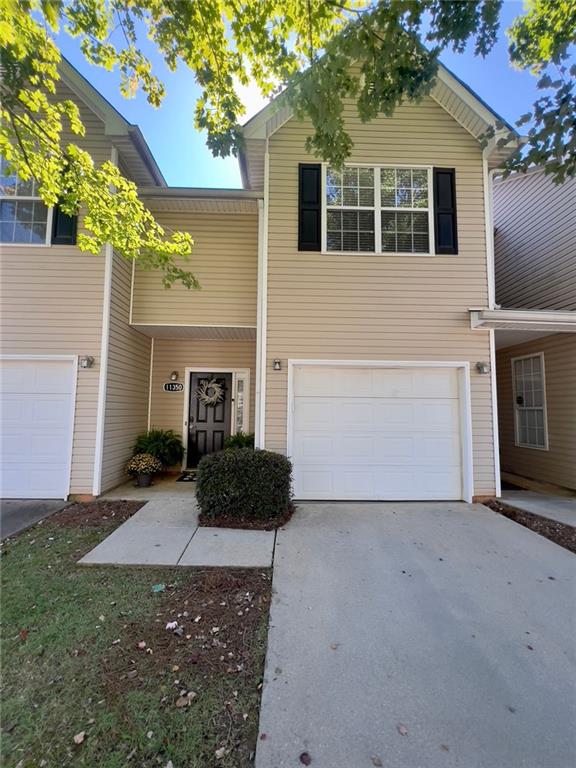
(173, 386)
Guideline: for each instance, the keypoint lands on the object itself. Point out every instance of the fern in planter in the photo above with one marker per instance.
(164, 444)
(239, 440)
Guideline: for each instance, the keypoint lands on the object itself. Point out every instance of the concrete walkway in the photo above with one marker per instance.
(560, 508)
(165, 532)
(436, 635)
(18, 514)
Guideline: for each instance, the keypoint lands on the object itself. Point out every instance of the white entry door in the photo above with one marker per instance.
(376, 433)
(36, 423)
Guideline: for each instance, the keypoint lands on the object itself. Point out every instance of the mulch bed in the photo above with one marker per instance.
(229, 521)
(560, 533)
(95, 514)
(215, 621)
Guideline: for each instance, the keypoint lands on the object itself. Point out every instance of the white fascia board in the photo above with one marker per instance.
(114, 122)
(259, 126)
(554, 321)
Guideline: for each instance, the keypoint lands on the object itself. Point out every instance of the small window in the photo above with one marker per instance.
(530, 402)
(23, 216)
(378, 210)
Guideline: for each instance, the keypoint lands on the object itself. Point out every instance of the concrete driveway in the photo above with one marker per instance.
(18, 514)
(419, 636)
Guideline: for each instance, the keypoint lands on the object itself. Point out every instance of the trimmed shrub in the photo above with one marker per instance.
(239, 440)
(164, 444)
(245, 484)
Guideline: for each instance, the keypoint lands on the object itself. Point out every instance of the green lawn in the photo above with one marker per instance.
(64, 671)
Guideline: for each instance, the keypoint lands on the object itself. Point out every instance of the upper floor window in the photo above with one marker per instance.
(530, 402)
(374, 209)
(24, 218)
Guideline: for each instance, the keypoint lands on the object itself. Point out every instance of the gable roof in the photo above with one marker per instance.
(126, 137)
(451, 93)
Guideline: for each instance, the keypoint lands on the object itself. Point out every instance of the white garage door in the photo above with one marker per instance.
(376, 433)
(36, 422)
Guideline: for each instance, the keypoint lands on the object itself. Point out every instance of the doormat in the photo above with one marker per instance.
(187, 477)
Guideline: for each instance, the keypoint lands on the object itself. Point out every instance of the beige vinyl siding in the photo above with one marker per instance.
(380, 307)
(167, 408)
(51, 303)
(128, 379)
(535, 242)
(558, 464)
(224, 260)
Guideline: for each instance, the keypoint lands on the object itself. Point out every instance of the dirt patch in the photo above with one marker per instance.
(229, 521)
(205, 640)
(95, 514)
(560, 533)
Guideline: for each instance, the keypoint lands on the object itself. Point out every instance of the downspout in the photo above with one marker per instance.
(488, 178)
(262, 310)
(104, 346)
(150, 383)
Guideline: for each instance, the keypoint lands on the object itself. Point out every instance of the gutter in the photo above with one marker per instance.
(555, 321)
(146, 155)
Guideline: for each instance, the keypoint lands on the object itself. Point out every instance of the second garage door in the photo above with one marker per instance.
(376, 433)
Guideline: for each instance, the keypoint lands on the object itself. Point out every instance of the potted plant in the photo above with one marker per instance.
(163, 444)
(143, 466)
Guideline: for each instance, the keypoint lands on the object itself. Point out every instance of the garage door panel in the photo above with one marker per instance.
(36, 399)
(28, 409)
(376, 434)
(378, 483)
(36, 377)
(349, 416)
(375, 382)
(37, 483)
(53, 410)
(437, 450)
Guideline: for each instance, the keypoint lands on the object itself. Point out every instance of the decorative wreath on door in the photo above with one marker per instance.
(210, 393)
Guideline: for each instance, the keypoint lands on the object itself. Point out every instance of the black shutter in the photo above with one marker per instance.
(63, 228)
(309, 207)
(446, 232)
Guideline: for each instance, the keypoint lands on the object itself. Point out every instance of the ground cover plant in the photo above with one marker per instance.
(115, 667)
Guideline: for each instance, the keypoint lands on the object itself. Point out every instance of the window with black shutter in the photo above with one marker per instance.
(445, 229)
(309, 207)
(64, 227)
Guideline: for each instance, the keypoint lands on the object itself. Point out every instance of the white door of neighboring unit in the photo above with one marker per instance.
(376, 433)
(36, 422)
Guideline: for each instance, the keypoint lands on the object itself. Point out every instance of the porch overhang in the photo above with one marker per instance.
(205, 332)
(552, 321)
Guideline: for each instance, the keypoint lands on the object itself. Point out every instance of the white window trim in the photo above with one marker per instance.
(378, 212)
(49, 218)
(517, 442)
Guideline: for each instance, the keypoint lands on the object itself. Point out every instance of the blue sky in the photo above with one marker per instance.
(181, 151)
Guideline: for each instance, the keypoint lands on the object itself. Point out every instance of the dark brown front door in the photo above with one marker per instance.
(209, 414)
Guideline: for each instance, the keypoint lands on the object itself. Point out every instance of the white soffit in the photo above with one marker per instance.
(201, 205)
(200, 332)
(508, 338)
